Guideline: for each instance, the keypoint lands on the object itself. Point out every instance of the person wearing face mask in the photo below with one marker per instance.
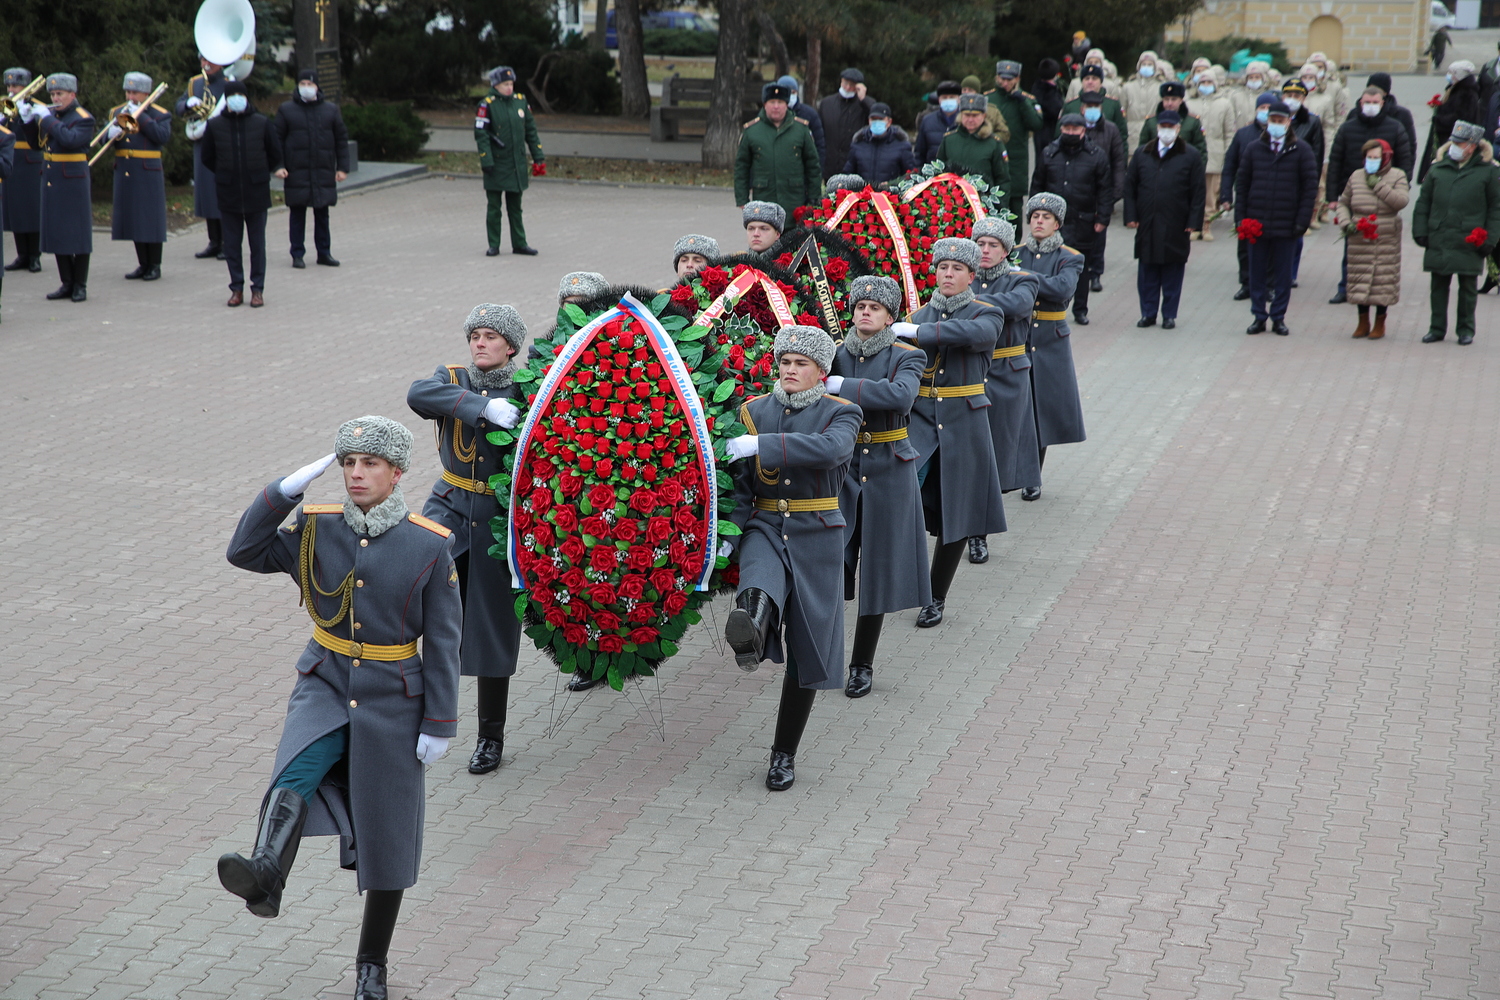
(241, 149)
(1253, 86)
(1232, 157)
(973, 148)
(1277, 186)
(1308, 128)
(1460, 103)
(1164, 204)
(65, 129)
(1329, 102)
(1461, 194)
(315, 148)
(881, 151)
(1373, 267)
(1173, 98)
(777, 160)
(1393, 108)
(1092, 82)
(844, 112)
(938, 122)
(1094, 59)
(1370, 120)
(140, 209)
(1023, 118)
(1078, 171)
(1138, 97)
(1107, 137)
(1216, 120)
(809, 114)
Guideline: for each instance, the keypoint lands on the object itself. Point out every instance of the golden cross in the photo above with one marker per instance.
(322, 7)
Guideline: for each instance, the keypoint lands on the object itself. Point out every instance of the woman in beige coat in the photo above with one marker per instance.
(1380, 189)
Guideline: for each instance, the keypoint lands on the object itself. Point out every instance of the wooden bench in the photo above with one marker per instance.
(686, 99)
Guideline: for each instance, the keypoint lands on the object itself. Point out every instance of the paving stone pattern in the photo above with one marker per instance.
(1216, 720)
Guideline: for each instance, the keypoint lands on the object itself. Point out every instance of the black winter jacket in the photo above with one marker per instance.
(1393, 109)
(1347, 153)
(314, 145)
(1106, 135)
(1309, 129)
(1083, 179)
(242, 151)
(1232, 157)
(1460, 105)
(881, 159)
(931, 128)
(1277, 189)
(842, 117)
(1164, 194)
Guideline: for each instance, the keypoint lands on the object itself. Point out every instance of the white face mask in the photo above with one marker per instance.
(1166, 136)
(307, 91)
(1372, 166)
(1322, 73)
(1370, 110)
(1148, 71)
(1254, 83)
(1206, 88)
(949, 105)
(1294, 103)
(1311, 85)
(236, 103)
(1456, 152)
(846, 94)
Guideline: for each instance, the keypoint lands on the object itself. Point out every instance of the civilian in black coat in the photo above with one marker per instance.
(1050, 99)
(883, 157)
(937, 121)
(315, 151)
(1164, 195)
(844, 112)
(240, 148)
(1107, 136)
(1393, 108)
(1077, 170)
(1460, 104)
(1277, 186)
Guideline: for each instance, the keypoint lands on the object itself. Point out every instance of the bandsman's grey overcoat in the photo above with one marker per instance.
(404, 588)
(949, 425)
(884, 537)
(463, 502)
(797, 557)
(1012, 419)
(23, 188)
(1054, 383)
(205, 188)
(67, 205)
(140, 186)
(7, 162)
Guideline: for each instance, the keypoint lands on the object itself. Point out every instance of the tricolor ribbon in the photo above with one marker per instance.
(747, 280)
(965, 186)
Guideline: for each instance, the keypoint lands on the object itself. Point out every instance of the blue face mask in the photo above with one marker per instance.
(1148, 71)
(1091, 115)
(236, 103)
(1261, 115)
(949, 105)
(878, 126)
(1277, 129)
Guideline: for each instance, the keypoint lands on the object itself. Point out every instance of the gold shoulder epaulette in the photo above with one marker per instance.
(1033, 96)
(163, 110)
(838, 399)
(987, 93)
(428, 523)
(750, 122)
(322, 508)
(1070, 250)
(490, 99)
(455, 368)
(804, 121)
(82, 113)
(905, 346)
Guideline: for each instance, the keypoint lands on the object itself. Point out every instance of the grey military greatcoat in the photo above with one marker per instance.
(23, 188)
(884, 538)
(1054, 384)
(7, 163)
(463, 502)
(140, 186)
(796, 556)
(205, 188)
(1012, 420)
(404, 587)
(67, 205)
(949, 423)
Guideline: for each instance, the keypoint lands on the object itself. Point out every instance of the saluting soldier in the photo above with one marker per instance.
(208, 84)
(949, 426)
(764, 223)
(140, 187)
(23, 189)
(1012, 422)
(1054, 383)
(504, 129)
(468, 402)
(791, 549)
(67, 204)
(881, 501)
(367, 713)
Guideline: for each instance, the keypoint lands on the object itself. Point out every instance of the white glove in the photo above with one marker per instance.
(834, 383)
(296, 484)
(42, 111)
(743, 446)
(502, 412)
(113, 132)
(430, 749)
(131, 108)
(906, 331)
(193, 102)
(194, 130)
(27, 111)
(725, 549)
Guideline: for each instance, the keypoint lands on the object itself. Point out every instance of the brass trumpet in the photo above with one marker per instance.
(10, 106)
(128, 123)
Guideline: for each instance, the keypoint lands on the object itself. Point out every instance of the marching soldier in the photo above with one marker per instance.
(1012, 422)
(23, 189)
(140, 187)
(208, 84)
(949, 427)
(791, 549)
(467, 402)
(67, 206)
(367, 714)
(1054, 384)
(880, 498)
(504, 129)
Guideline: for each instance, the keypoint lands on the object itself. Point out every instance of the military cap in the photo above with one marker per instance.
(1047, 202)
(973, 102)
(1007, 68)
(1172, 88)
(965, 251)
(764, 211)
(16, 76)
(1072, 118)
(1092, 70)
(877, 288)
(996, 227)
(1092, 97)
(846, 182)
(63, 81)
(703, 246)
(1169, 118)
(852, 75)
(378, 436)
(501, 74)
(578, 284)
(504, 320)
(137, 81)
(806, 340)
(1294, 86)
(1466, 132)
(775, 92)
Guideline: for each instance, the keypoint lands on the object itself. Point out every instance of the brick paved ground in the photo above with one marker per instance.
(1216, 720)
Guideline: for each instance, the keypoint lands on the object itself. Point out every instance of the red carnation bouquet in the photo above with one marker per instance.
(1249, 230)
(1477, 237)
(1435, 101)
(1369, 227)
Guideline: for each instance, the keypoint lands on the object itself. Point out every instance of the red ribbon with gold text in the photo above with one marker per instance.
(969, 191)
(887, 213)
(737, 288)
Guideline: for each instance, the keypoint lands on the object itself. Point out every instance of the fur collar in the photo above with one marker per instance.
(991, 273)
(862, 348)
(1486, 153)
(382, 517)
(495, 378)
(951, 303)
(799, 400)
(1052, 242)
(894, 132)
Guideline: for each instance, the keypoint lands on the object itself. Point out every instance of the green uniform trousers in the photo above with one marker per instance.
(1468, 302)
(308, 769)
(512, 203)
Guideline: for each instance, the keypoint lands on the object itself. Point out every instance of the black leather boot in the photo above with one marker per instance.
(65, 273)
(80, 277)
(583, 681)
(931, 615)
(747, 627)
(486, 756)
(382, 907)
(21, 263)
(979, 549)
(369, 981)
(260, 878)
(860, 680)
(782, 772)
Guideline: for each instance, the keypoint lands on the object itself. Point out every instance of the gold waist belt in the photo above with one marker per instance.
(140, 154)
(881, 437)
(785, 506)
(472, 485)
(64, 157)
(23, 145)
(1050, 316)
(949, 391)
(1009, 352)
(358, 650)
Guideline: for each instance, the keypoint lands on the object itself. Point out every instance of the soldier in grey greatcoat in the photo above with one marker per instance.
(949, 426)
(208, 84)
(468, 402)
(792, 546)
(1054, 384)
(7, 158)
(23, 189)
(140, 186)
(1012, 421)
(880, 498)
(67, 204)
(367, 713)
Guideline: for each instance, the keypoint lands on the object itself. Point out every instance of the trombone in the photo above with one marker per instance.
(10, 106)
(128, 123)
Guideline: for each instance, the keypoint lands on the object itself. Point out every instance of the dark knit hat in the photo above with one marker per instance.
(308, 74)
(236, 87)
(970, 82)
(1264, 99)
(1048, 68)
(1381, 80)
